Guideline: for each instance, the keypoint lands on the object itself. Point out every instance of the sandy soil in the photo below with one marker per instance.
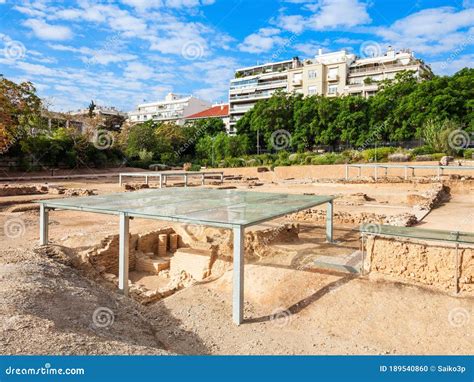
(47, 305)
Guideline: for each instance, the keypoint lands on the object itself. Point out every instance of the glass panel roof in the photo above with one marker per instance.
(221, 208)
(419, 233)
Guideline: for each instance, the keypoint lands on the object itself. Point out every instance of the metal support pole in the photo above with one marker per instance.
(406, 172)
(120, 180)
(161, 181)
(44, 220)
(376, 173)
(123, 253)
(363, 254)
(347, 172)
(185, 180)
(222, 178)
(202, 180)
(238, 276)
(146, 179)
(329, 220)
(456, 282)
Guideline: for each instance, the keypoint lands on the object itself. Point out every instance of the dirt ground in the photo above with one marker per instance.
(47, 306)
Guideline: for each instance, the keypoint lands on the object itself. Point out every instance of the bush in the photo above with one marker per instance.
(379, 154)
(437, 156)
(329, 158)
(145, 155)
(468, 154)
(294, 158)
(422, 150)
(352, 155)
(140, 164)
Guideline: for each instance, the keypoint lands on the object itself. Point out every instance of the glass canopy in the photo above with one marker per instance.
(419, 233)
(219, 208)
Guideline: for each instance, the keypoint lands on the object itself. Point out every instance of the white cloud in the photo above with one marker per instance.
(431, 31)
(139, 71)
(452, 64)
(45, 31)
(310, 48)
(293, 23)
(326, 14)
(101, 56)
(332, 14)
(262, 41)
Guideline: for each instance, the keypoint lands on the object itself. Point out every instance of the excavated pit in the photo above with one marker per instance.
(163, 261)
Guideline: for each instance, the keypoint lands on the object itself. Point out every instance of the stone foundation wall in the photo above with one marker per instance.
(342, 217)
(105, 256)
(421, 263)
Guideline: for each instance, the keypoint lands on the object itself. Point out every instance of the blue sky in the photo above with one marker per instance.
(120, 53)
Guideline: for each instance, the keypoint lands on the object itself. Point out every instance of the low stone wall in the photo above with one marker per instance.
(421, 263)
(342, 217)
(105, 256)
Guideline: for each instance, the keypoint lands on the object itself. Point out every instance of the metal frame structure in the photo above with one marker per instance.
(163, 176)
(227, 202)
(455, 237)
(376, 166)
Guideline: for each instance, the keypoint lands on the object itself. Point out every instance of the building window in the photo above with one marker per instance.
(312, 90)
(332, 73)
(312, 74)
(332, 89)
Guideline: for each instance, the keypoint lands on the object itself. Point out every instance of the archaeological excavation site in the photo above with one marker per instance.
(290, 260)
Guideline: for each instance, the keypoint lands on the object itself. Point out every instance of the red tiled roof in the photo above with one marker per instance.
(218, 111)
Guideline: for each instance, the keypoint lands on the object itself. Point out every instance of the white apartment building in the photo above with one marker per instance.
(364, 74)
(329, 74)
(174, 108)
(255, 83)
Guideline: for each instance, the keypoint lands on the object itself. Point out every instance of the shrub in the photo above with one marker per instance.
(308, 159)
(422, 150)
(251, 163)
(377, 154)
(468, 154)
(437, 156)
(352, 155)
(293, 158)
(145, 155)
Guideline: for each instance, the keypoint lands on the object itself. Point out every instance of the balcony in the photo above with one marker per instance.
(297, 82)
(251, 96)
(382, 68)
(333, 78)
